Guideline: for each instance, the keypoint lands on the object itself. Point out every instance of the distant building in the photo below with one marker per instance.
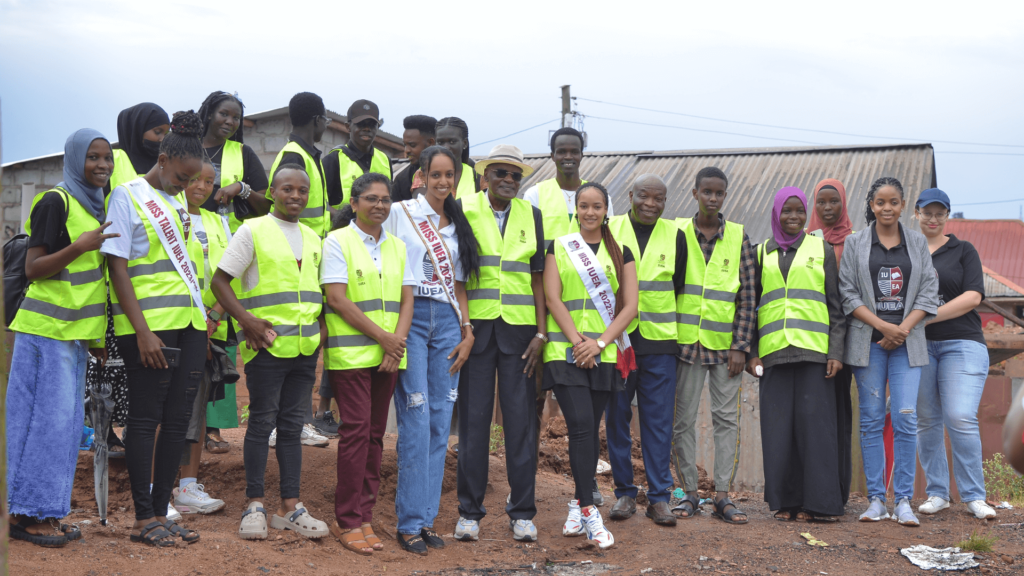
(1000, 244)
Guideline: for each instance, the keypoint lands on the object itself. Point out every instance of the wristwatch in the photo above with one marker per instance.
(468, 325)
(601, 344)
(542, 336)
(213, 315)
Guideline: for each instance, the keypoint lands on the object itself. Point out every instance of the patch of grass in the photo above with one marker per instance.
(497, 438)
(245, 414)
(1002, 482)
(977, 543)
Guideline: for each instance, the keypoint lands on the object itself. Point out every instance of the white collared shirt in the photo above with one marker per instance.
(428, 284)
(334, 267)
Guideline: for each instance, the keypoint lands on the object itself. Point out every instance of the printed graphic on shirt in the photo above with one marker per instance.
(890, 282)
(201, 236)
(942, 299)
(431, 285)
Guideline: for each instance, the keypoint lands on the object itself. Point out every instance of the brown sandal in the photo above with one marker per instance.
(353, 541)
(372, 538)
(216, 445)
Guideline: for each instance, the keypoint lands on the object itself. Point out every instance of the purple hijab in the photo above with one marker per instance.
(784, 240)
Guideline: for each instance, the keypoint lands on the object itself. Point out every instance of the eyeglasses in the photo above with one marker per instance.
(374, 200)
(501, 173)
(327, 121)
(937, 216)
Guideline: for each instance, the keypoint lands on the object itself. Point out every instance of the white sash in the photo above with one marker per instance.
(594, 280)
(174, 245)
(438, 252)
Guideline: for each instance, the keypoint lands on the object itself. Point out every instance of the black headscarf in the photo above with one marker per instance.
(132, 123)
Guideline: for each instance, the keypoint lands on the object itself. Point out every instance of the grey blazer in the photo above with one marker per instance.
(856, 288)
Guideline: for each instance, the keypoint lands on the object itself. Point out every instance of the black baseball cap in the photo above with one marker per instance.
(361, 110)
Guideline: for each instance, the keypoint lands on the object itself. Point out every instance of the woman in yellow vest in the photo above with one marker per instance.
(58, 325)
(581, 356)
(370, 301)
(160, 322)
(802, 330)
(140, 130)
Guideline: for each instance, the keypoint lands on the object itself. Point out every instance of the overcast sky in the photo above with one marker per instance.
(918, 72)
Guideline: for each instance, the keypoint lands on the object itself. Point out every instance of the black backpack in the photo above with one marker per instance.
(15, 281)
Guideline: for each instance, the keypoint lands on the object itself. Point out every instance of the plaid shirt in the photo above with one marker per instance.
(743, 323)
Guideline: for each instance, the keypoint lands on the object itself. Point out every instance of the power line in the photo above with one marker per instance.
(982, 153)
(992, 202)
(791, 128)
(514, 133)
(702, 130)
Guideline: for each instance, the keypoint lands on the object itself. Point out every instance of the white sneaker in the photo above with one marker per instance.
(596, 531)
(981, 509)
(933, 505)
(876, 511)
(310, 437)
(467, 530)
(273, 438)
(193, 499)
(523, 530)
(172, 514)
(574, 523)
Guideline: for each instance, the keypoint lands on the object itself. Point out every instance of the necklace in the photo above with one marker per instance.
(218, 152)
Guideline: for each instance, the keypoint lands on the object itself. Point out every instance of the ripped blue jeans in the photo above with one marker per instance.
(892, 366)
(424, 399)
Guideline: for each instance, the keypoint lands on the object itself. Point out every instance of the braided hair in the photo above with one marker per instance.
(210, 105)
(613, 248)
(185, 138)
(875, 187)
(469, 251)
(461, 125)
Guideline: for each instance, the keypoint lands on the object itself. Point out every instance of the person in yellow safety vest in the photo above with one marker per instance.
(279, 308)
(799, 349)
(343, 164)
(58, 325)
(418, 136)
(556, 197)
(160, 322)
(660, 249)
(240, 186)
(140, 130)
(453, 134)
(309, 122)
(369, 292)
(715, 317)
(508, 315)
(581, 356)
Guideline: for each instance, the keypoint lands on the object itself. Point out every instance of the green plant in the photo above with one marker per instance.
(1002, 482)
(497, 438)
(245, 414)
(977, 543)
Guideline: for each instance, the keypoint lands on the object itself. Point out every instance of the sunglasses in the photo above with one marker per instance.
(501, 173)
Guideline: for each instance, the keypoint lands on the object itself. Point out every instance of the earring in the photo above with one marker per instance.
(605, 219)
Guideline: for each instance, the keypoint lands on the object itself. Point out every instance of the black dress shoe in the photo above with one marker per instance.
(431, 538)
(623, 509)
(661, 514)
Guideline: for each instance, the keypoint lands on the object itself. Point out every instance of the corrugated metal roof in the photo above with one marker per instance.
(998, 286)
(999, 242)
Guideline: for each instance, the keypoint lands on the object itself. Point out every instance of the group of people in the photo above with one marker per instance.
(445, 288)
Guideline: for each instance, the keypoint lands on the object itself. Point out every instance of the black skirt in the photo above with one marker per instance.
(603, 378)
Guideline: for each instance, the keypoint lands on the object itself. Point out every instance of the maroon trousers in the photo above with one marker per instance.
(364, 396)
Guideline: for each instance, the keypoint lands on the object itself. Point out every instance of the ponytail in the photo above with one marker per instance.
(469, 251)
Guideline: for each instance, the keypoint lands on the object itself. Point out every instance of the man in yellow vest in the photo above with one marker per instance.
(343, 164)
(277, 259)
(309, 122)
(508, 314)
(715, 316)
(659, 247)
(556, 197)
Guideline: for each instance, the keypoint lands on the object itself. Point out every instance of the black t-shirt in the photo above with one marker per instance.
(49, 224)
(890, 267)
(254, 174)
(958, 267)
(642, 346)
(401, 188)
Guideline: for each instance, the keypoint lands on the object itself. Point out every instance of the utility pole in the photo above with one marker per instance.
(566, 107)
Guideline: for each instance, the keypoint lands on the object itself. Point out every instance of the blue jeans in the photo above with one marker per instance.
(655, 387)
(424, 399)
(894, 366)
(951, 387)
(45, 411)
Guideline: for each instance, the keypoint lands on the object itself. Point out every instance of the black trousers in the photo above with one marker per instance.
(163, 398)
(844, 428)
(798, 439)
(517, 395)
(582, 408)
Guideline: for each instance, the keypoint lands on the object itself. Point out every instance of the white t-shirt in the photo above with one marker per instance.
(239, 259)
(428, 284)
(125, 220)
(532, 195)
(334, 268)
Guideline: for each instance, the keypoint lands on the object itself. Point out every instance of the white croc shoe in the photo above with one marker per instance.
(254, 523)
(300, 521)
(933, 505)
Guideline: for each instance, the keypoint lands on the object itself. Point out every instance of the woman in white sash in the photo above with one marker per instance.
(592, 295)
(442, 252)
(159, 322)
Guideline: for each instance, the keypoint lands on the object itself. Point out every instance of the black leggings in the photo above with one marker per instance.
(163, 398)
(583, 408)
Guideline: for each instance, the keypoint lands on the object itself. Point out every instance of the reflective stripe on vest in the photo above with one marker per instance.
(585, 316)
(467, 183)
(162, 294)
(707, 307)
(793, 311)
(315, 215)
(655, 268)
(217, 241)
(287, 295)
(557, 221)
(71, 304)
(503, 286)
(232, 169)
(123, 170)
(376, 294)
(349, 170)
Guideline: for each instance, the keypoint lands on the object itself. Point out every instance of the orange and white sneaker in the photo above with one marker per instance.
(596, 532)
(574, 523)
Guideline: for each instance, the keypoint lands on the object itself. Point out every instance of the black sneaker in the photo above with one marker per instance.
(598, 497)
(326, 425)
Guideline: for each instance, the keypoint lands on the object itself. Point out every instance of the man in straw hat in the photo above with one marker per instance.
(507, 311)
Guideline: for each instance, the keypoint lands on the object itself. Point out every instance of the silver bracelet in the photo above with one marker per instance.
(542, 336)
(246, 190)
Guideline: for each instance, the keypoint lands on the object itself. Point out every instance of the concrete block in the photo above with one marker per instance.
(12, 214)
(273, 144)
(272, 126)
(52, 177)
(26, 175)
(11, 195)
(8, 177)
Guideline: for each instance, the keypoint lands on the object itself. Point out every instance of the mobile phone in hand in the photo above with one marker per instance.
(271, 335)
(173, 356)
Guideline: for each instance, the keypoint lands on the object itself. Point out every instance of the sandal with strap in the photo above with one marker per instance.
(785, 515)
(690, 506)
(19, 531)
(187, 536)
(727, 514)
(354, 541)
(372, 539)
(808, 516)
(416, 545)
(154, 534)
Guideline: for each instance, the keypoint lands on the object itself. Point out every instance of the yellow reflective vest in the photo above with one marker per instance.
(232, 169)
(707, 307)
(793, 311)
(315, 215)
(123, 169)
(557, 220)
(349, 170)
(217, 241)
(657, 318)
(585, 316)
(467, 183)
